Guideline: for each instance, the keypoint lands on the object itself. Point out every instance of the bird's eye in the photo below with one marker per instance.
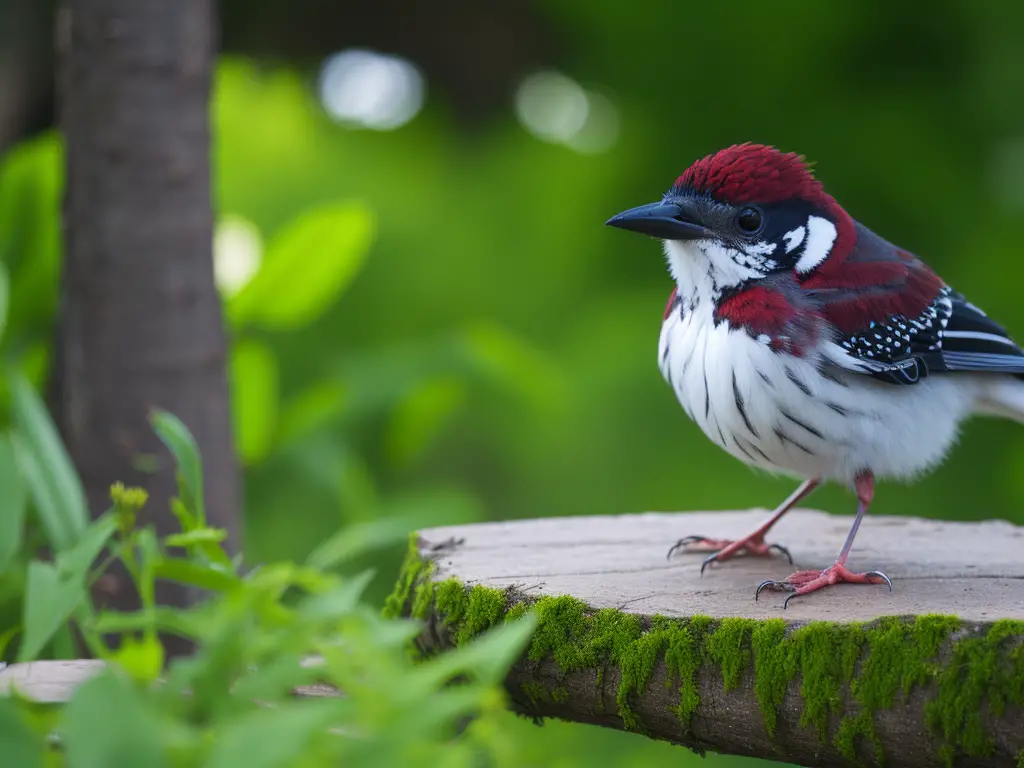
(749, 220)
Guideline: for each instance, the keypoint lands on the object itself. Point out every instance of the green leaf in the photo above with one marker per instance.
(52, 478)
(196, 536)
(269, 738)
(142, 659)
(175, 621)
(421, 416)
(6, 637)
(356, 540)
(275, 679)
(13, 498)
(148, 548)
(486, 658)
(73, 564)
(49, 602)
(179, 441)
(339, 602)
(43, 495)
(107, 723)
(22, 746)
(312, 408)
(254, 399)
(64, 646)
(212, 577)
(393, 633)
(30, 189)
(307, 265)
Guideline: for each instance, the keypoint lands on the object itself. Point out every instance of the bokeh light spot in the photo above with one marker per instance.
(237, 254)
(555, 108)
(371, 90)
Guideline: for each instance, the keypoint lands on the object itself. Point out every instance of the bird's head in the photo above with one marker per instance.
(744, 213)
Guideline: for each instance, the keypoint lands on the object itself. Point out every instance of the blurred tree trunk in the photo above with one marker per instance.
(141, 323)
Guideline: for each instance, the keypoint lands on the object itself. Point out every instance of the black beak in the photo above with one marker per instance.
(668, 220)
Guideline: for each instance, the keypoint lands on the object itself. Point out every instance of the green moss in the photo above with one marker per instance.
(825, 656)
(535, 693)
(846, 673)
(987, 669)
(771, 668)
(684, 642)
(730, 646)
(415, 570)
(485, 608)
(423, 596)
(901, 656)
(452, 601)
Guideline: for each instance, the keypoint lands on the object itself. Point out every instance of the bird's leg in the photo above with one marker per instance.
(754, 543)
(805, 582)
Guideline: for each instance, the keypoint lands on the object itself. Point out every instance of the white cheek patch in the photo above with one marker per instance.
(793, 238)
(821, 234)
(730, 267)
(762, 248)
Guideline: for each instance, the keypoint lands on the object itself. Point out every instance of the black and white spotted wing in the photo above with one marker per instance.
(952, 335)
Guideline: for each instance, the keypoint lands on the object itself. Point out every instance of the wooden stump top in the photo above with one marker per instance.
(971, 570)
(927, 675)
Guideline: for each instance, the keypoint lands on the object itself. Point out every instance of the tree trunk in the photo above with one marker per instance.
(141, 324)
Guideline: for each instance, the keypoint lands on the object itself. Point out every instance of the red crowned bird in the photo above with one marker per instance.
(804, 344)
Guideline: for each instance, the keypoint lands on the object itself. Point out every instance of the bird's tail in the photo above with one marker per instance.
(1003, 396)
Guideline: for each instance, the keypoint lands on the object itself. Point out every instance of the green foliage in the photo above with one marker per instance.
(307, 265)
(254, 399)
(12, 503)
(231, 702)
(56, 490)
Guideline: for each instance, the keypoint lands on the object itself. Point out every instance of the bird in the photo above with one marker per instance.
(806, 345)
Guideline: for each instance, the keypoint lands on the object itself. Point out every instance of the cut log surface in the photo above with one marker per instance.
(929, 674)
(972, 570)
(48, 682)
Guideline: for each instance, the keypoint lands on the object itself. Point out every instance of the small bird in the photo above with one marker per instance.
(806, 345)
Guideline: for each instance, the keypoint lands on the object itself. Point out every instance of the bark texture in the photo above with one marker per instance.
(141, 323)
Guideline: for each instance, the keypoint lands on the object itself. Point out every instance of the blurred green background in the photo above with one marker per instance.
(430, 319)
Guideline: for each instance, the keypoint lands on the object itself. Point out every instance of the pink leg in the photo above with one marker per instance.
(753, 544)
(805, 582)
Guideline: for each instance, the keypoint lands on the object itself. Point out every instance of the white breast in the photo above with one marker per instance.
(777, 412)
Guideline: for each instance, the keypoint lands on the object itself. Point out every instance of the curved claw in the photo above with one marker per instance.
(881, 576)
(708, 561)
(789, 597)
(682, 543)
(782, 550)
(771, 583)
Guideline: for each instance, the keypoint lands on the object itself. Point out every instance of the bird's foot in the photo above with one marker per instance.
(805, 582)
(726, 549)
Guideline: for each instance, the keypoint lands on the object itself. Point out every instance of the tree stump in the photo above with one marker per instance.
(930, 674)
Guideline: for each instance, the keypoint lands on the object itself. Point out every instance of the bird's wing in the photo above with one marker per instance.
(951, 335)
(907, 323)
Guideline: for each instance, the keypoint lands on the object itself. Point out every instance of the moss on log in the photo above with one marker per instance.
(917, 689)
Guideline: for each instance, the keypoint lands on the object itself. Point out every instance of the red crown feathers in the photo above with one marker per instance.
(748, 173)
